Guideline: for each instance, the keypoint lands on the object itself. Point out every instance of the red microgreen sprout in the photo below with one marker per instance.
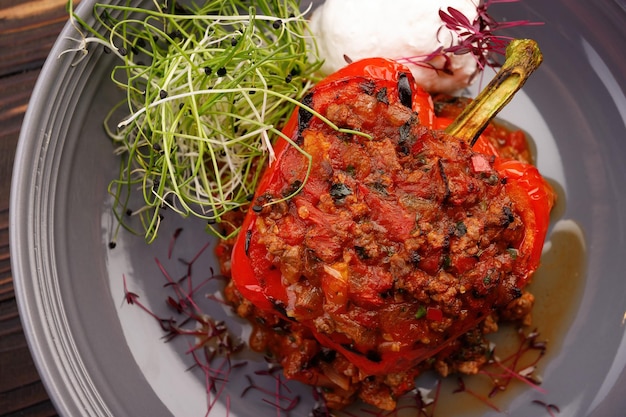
(173, 242)
(477, 37)
(482, 398)
(282, 402)
(210, 344)
(518, 365)
(212, 348)
(133, 299)
(552, 409)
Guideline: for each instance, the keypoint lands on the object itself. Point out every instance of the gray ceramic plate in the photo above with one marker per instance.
(101, 357)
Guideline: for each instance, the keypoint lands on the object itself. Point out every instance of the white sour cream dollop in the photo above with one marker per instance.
(396, 29)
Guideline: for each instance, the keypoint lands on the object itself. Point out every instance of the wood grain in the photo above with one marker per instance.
(28, 30)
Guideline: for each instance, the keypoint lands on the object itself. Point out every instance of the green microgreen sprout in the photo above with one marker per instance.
(208, 89)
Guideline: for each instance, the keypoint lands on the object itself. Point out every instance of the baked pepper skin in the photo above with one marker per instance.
(259, 281)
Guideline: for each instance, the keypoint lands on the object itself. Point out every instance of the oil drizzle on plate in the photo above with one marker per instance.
(557, 286)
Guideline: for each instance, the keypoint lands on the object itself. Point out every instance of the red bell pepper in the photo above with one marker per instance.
(253, 276)
(264, 285)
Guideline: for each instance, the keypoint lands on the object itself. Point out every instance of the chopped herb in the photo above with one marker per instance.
(421, 312)
(446, 262)
(381, 96)
(339, 191)
(361, 252)
(461, 229)
(415, 257)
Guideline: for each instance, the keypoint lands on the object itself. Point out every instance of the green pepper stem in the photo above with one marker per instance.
(522, 58)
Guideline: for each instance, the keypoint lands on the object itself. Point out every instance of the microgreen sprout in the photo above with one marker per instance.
(209, 342)
(208, 89)
(477, 37)
(552, 409)
(214, 352)
(284, 402)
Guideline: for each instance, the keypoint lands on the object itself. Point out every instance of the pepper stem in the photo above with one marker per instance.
(522, 58)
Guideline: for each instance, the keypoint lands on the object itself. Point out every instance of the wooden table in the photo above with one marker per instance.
(28, 29)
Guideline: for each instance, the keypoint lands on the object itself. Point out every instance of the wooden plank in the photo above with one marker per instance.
(15, 91)
(28, 29)
(33, 401)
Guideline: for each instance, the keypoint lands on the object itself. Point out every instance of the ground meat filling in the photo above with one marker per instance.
(397, 244)
(402, 239)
